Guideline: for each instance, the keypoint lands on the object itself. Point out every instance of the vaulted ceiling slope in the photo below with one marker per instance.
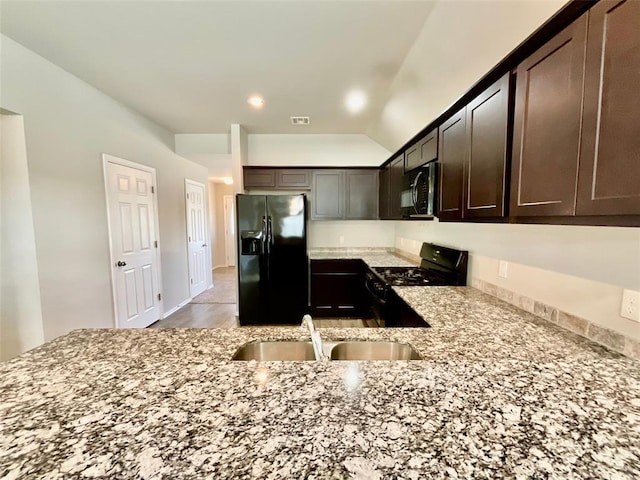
(190, 65)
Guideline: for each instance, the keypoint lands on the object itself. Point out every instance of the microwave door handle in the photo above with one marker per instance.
(414, 192)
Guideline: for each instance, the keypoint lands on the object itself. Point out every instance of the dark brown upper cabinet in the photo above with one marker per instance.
(327, 195)
(396, 172)
(390, 189)
(423, 151)
(546, 138)
(344, 194)
(487, 155)
(383, 192)
(276, 179)
(473, 157)
(452, 157)
(361, 194)
(609, 174)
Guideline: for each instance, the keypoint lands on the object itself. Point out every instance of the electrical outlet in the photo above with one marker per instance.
(341, 239)
(630, 307)
(502, 270)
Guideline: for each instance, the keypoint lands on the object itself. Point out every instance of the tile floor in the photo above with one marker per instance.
(216, 308)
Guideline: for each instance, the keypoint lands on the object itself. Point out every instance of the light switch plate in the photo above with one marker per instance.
(502, 269)
(341, 239)
(630, 307)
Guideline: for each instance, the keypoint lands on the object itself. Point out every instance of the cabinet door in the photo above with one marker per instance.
(547, 126)
(411, 157)
(429, 147)
(487, 152)
(297, 179)
(327, 195)
(383, 193)
(422, 152)
(361, 194)
(337, 288)
(259, 178)
(453, 153)
(609, 176)
(396, 171)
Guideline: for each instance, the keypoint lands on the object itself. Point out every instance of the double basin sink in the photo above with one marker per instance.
(269, 351)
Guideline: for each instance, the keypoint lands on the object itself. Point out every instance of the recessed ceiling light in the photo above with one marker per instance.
(356, 101)
(228, 180)
(256, 101)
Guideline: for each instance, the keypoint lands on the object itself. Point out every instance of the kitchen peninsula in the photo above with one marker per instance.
(500, 394)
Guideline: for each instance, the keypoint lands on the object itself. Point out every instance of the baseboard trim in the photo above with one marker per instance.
(219, 266)
(176, 308)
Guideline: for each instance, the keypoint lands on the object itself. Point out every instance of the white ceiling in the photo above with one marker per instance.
(190, 65)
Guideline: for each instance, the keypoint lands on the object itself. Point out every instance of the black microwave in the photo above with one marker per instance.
(418, 199)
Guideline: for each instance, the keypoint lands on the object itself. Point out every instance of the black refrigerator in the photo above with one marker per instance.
(272, 259)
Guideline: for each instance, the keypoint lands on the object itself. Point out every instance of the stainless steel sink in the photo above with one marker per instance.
(372, 350)
(278, 351)
(274, 351)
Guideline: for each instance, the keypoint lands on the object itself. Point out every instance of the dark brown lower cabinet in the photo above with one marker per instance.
(338, 290)
(546, 137)
(609, 175)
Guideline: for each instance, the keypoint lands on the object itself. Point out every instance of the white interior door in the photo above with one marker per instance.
(229, 230)
(132, 228)
(196, 237)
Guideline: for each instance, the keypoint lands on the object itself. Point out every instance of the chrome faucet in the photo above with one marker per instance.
(316, 341)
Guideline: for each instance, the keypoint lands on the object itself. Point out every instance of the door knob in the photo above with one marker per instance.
(120, 263)
(204, 244)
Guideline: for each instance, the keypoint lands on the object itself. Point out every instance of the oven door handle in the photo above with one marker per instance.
(374, 295)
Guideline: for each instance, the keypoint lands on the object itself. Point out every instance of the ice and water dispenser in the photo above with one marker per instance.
(252, 242)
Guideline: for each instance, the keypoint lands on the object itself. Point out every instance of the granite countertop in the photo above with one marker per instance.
(500, 394)
(374, 257)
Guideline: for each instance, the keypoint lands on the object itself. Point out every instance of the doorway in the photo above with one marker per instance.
(229, 230)
(196, 237)
(132, 213)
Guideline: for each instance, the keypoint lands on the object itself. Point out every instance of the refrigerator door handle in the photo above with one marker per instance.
(269, 243)
(264, 258)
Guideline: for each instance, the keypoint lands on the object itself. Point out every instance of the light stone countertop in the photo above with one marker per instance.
(500, 394)
(373, 257)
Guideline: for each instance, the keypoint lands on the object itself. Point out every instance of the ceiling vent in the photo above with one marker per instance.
(300, 121)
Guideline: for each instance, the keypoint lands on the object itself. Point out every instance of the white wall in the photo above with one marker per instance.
(315, 150)
(211, 150)
(68, 125)
(351, 233)
(20, 312)
(202, 143)
(239, 155)
(578, 269)
(459, 43)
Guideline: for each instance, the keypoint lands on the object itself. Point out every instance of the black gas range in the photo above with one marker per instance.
(439, 266)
